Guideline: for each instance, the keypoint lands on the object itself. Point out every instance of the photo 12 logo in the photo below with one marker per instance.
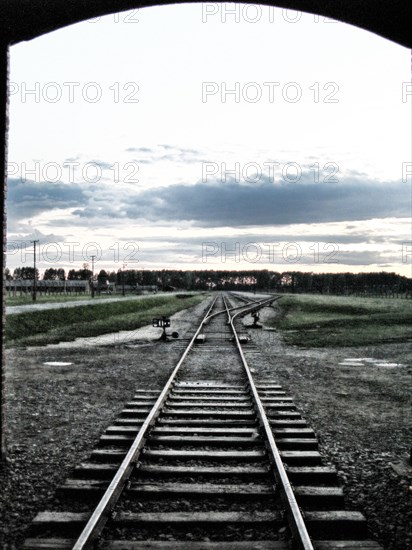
(71, 92)
(253, 13)
(254, 172)
(269, 92)
(406, 172)
(71, 252)
(406, 92)
(252, 252)
(74, 171)
(407, 252)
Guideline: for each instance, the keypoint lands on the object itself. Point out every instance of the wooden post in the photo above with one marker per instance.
(4, 69)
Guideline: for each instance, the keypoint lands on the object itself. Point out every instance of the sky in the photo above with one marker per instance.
(211, 136)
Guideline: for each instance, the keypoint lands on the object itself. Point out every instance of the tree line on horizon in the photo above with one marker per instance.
(288, 281)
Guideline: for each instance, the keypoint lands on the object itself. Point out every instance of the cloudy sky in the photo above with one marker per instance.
(190, 137)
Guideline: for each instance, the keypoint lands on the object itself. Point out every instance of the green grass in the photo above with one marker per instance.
(321, 321)
(44, 298)
(65, 324)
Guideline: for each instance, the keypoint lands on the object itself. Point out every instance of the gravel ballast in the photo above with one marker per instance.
(56, 413)
(361, 412)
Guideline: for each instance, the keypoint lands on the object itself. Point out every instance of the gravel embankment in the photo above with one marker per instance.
(362, 415)
(56, 414)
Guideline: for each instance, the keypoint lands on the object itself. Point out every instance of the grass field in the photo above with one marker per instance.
(65, 324)
(320, 321)
(50, 298)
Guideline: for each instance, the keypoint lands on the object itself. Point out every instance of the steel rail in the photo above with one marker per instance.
(101, 513)
(297, 523)
(250, 307)
(243, 298)
(220, 313)
(255, 304)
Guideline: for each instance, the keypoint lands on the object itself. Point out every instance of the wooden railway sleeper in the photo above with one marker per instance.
(262, 427)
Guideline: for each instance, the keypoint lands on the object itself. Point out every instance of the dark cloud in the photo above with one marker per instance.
(143, 161)
(228, 204)
(27, 199)
(25, 240)
(102, 164)
(166, 153)
(216, 204)
(218, 253)
(180, 149)
(140, 150)
(365, 257)
(101, 213)
(19, 248)
(356, 173)
(310, 251)
(185, 157)
(270, 238)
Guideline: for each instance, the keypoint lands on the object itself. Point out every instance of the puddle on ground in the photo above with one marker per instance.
(57, 363)
(389, 365)
(363, 361)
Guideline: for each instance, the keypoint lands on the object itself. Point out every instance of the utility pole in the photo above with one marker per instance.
(93, 257)
(34, 276)
(123, 289)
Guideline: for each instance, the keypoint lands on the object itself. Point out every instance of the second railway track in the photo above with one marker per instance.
(206, 463)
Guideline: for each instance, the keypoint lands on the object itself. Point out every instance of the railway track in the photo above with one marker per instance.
(206, 463)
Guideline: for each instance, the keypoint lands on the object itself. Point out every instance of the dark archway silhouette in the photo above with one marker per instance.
(27, 19)
(22, 20)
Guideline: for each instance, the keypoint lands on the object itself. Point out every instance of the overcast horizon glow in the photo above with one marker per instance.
(173, 138)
